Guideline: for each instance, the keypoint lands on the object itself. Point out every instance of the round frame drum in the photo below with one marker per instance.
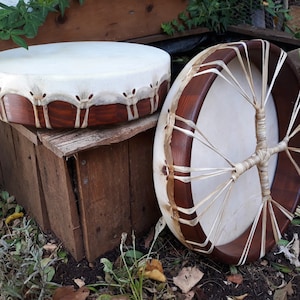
(226, 151)
(82, 84)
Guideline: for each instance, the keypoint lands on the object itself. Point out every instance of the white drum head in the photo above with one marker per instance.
(82, 84)
(225, 171)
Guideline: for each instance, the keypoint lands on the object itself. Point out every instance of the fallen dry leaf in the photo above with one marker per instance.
(187, 278)
(50, 247)
(281, 294)
(69, 293)
(14, 216)
(264, 262)
(235, 278)
(155, 275)
(154, 270)
(80, 283)
(154, 264)
(292, 251)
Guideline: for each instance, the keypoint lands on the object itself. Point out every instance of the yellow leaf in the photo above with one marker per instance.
(153, 270)
(154, 264)
(155, 275)
(13, 216)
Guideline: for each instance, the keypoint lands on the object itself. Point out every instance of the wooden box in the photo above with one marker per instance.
(87, 186)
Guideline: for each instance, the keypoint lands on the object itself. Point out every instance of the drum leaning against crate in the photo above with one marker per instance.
(227, 151)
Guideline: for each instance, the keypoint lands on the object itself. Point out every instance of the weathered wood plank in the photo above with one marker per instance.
(103, 176)
(20, 173)
(268, 34)
(144, 207)
(29, 133)
(60, 201)
(68, 142)
(113, 20)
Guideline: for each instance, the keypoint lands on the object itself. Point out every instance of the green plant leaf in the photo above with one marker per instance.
(296, 221)
(282, 242)
(63, 4)
(30, 29)
(233, 269)
(19, 41)
(4, 195)
(27, 17)
(49, 272)
(63, 255)
(108, 266)
(45, 261)
(134, 254)
(281, 268)
(104, 297)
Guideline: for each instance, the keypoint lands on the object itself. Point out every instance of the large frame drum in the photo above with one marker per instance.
(226, 151)
(82, 84)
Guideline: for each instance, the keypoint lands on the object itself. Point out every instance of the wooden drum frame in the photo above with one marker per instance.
(82, 84)
(229, 189)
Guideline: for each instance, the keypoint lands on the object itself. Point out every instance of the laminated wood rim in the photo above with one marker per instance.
(197, 214)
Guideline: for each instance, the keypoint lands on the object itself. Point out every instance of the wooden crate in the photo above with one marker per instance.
(87, 186)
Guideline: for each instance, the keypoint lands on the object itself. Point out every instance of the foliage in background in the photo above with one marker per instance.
(217, 15)
(24, 19)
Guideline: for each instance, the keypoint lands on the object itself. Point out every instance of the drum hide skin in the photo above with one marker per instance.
(82, 84)
(226, 151)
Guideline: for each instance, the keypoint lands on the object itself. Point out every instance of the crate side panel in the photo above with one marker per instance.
(144, 207)
(60, 201)
(104, 197)
(20, 174)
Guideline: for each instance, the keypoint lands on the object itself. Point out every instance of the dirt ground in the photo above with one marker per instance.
(272, 277)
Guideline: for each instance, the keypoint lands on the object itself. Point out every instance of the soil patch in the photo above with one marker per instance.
(272, 277)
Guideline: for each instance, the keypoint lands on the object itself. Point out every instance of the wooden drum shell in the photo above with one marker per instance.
(285, 186)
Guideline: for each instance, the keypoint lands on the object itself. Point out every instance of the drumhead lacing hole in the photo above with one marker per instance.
(164, 171)
(127, 95)
(38, 96)
(83, 98)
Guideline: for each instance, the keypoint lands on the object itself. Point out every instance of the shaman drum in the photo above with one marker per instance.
(82, 84)
(226, 151)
